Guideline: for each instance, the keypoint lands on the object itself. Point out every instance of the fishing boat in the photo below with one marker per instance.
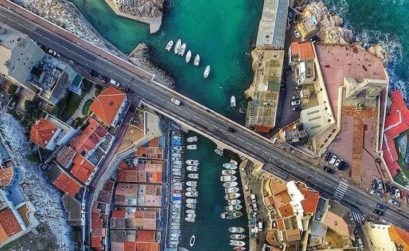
(228, 172)
(192, 240)
(231, 215)
(234, 202)
(193, 176)
(206, 71)
(169, 45)
(230, 184)
(191, 211)
(237, 243)
(190, 200)
(193, 215)
(228, 178)
(229, 166)
(179, 148)
(191, 183)
(177, 46)
(239, 248)
(231, 189)
(188, 56)
(233, 208)
(188, 219)
(237, 236)
(192, 168)
(236, 230)
(233, 101)
(231, 196)
(191, 189)
(191, 147)
(233, 162)
(177, 173)
(196, 61)
(192, 162)
(177, 162)
(192, 194)
(182, 50)
(191, 205)
(192, 139)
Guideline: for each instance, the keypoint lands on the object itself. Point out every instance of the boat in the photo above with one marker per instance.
(191, 211)
(231, 215)
(231, 189)
(191, 147)
(236, 230)
(237, 236)
(176, 155)
(177, 162)
(192, 240)
(169, 45)
(191, 183)
(237, 243)
(206, 71)
(191, 189)
(188, 56)
(218, 151)
(182, 50)
(191, 205)
(191, 201)
(228, 172)
(193, 215)
(233, 162)
(232, 101)
(177, 173)
(192, 194)
(193, 176)
(234, 202)
(226, 178)
(177, 46)
(239, 248)
(192, 168)
(192, 162)
(188, 219)
(229, 166)
(230, 184)
(192, 139)
(231, 196)
(177, 148)
(196, 61)
(233, 207)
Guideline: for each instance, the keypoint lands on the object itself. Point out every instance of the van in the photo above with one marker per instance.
(175, 101)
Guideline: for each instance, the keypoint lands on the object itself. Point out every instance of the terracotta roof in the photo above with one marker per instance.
(310, 202)
(395, 124)
(129, 246)
(42, 132)
(286, 210)
(154, 142)
(3, 234)
(303, 50)
(147, 246)
(65, 155)
(9, 222)
(399, 236)
(82, 168)
(149, 152)
(107, 104)
(96, 242)
(336, 223)
(263, 128)
(6, 175)
(145, 236)
(67, 184)
(89, 138)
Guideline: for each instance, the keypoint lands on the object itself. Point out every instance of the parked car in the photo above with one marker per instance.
(295, 97)
(296, 102)
(329, 170)
(297, 34)
(380, 206)
(394, 202)
(379, 184)
(296, 108)
(378, 211)
(332, 160)
(313, 38)
(397, 193)
(231, 129)
(337, 162)
(343, 166)
(327, 156)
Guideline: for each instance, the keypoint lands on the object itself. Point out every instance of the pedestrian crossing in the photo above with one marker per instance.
(341, 190)
(358, 218)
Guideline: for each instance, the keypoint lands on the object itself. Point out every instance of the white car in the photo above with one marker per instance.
(297, 34)
(397, 193)
(296, 102)
(333, 160)
(175, 101)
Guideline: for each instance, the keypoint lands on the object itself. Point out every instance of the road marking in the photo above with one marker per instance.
(341, 190)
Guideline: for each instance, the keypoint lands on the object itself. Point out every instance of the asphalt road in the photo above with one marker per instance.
(194, 114)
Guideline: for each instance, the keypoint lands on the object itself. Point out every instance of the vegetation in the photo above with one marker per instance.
(32, 111)
(33, 157)
(86, 86)
(12, 90)
(85, 108)
(67, 106)
(98, 89)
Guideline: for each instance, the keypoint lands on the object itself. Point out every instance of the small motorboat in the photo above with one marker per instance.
(231, 196)
(177, 162)
(234, 202)
(233, 162)
(177, 148)
(190, 200)
(191, 183)
(192, 168)
(236, 230)
(192, 139)
(229, 184)
(231, 189)
(191, 205)
(191, 189)
(192, 162)
(182, 50)
(191, 211)
(229, 166)
(228, 178)
(239, 248)
(237, 243)
(233, 101)
(233, 207)
(193, 176)
(192, 147)
(237, 236)
(188, 56)
(196, 61)
(177, 173)
(192, 194)
(206, 71)
(231, 215)
(192, 240)
(228, 172)
(169, 45)
(177, 46)
(189, 219)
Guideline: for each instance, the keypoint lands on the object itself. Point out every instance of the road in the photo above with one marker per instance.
(190, 112)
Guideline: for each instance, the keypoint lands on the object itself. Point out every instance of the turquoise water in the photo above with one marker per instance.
(220, 31)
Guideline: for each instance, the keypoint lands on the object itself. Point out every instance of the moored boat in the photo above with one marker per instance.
(191, 205)
(239, 248)
(182, 49)
(236, 230)
(231, 196)
(237, 243)
(206, 71)
(177, 148)
(233, 207)
(231, 189)
(192, 162)
(188, 219)
(191, 189)
(192, 194)
(192, 168)
(192, 139)
(192, 183)
(234, 202)
(233, 162)
(231, 215)
(228, 172)
(228, 178)
(237, 236)
(190, 200)
(233, 101)
(192, 147)
(188, 56)
(229, 166)
(193, 176)
(196, 61)
(169, 45)
(230, 184)
(177, 46)
(192, 240)
(190, 211)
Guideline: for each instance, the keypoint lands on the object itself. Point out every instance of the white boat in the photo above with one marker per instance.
(196, 62)
(177, 162)
(233, 162)
(231, 215)
(177, 46)
(233, 101)
(191, 189)
(231, 189)
(229, 166)
(237, 243)
(169, 45)
(237, 236)
(191, 205)
(206, 71)
(236, 230)
(192, 162)
(191, 215)
(191, 201)
(231, 196)
(192, 194)
(182, 50)
(177, 173)
(218, 151)
(229, 184)
(192, 168)
(233, 207)
(193, 176)
(191, 183)
(176, 155)
(227, 178)
(228, 172)
(192, 240)
(188, 56)
(192, 139)
(188, 219)
(191, 147)
(177, 148)
(239, 248)
(234, 202)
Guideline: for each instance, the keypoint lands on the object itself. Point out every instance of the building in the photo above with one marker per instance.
(400, 237)
(307, 27)
(378, 236)
(109, 106)
(301, 55)
(64, 181)
(82, 169)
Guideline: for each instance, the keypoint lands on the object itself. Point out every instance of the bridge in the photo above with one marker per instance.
(198, 117)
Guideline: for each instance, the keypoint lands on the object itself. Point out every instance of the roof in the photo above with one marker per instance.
(336, 223)
(395, 124)
(42, 132)
(303, 50)
(310, 202)
(399, 236)
(106, 106)
(82, 168)
(89, 138)
(8, 223)
(67, 184)
(286, 210)
(65, 155)
(6, 175)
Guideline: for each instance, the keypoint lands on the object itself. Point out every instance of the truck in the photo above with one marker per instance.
(176, 101)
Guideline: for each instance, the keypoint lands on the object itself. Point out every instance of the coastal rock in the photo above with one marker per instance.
(140, 8)
(379, 52)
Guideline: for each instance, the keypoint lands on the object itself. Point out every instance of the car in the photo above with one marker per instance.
(231, 129)
(343, 166)
(313, 38)
(296, 108)
(296, 102)
(328, 156)
(379, 184)
(329, 170)
(176, 101)
(337, 162)
(295, 97)
(380, 206)
(394, 202)
(297, 34)
(282, 88)
(378, 211)
(397, 193)
(379, 194)
(332, 160)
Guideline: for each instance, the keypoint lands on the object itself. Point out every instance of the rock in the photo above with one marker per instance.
(379, 52)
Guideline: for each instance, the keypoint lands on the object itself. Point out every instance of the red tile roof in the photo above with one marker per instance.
(286, 210)
(130, 246)
(310, 202)
(147, 246)
(96, 242)
(303, 50)
(6, 175)
(89, 138)
(42, 132)
(82, 168)
(67, 184)
(145, 236)
(65, 155)
(154, 142)
(262, 128)
(9, 222)
(107, 104)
